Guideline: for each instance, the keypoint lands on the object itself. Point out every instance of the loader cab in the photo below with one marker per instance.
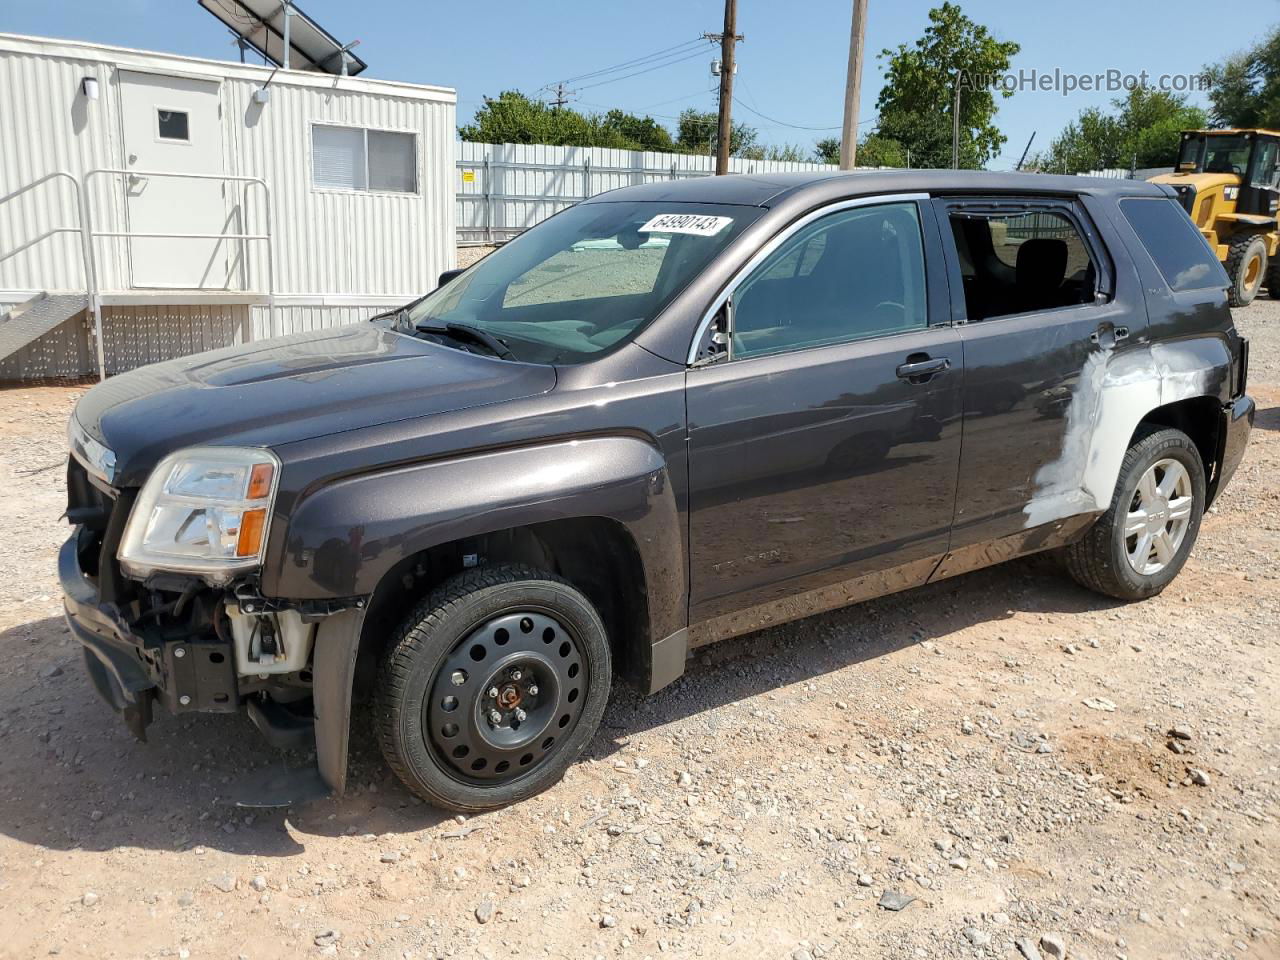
(1251, 156)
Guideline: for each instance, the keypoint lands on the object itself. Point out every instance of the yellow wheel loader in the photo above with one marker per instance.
(1229, 182)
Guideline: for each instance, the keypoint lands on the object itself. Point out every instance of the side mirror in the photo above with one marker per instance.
(447, 276)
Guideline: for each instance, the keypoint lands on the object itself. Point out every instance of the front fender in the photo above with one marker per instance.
(343, 538)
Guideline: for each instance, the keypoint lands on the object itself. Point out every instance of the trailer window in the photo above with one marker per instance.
(353, 158)
(172, 125)
(1179, 250)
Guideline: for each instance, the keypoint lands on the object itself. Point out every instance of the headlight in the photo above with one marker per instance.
(204, 510)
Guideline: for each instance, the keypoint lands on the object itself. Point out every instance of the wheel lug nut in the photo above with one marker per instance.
(520, 714)
(493, 692)
(516, 674)
(458, 678)
(533, 689)
(495, 717)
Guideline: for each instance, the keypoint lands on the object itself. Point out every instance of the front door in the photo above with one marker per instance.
(172, 125)
(824, 449)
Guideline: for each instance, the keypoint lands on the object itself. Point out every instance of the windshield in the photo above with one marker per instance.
(584, 280)
(1215, 154)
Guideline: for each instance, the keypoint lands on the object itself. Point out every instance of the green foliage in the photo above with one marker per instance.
(787, 151)
(645, 133)
(1142, 131)
(697, 132)
(514, 118)
(1245, 88)
(916, 102)
(827, 150)
(877, 150)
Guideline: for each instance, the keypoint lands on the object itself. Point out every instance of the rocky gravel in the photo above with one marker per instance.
(998, 766)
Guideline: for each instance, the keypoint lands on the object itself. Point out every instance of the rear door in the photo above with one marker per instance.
(1034, 296)
(172, 125)
(824, 448)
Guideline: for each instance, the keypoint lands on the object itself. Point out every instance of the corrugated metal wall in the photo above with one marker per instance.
(326, 242)
(504, 188)
(49, 125)
(345, 242)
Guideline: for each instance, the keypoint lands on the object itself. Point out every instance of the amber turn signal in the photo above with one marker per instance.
(252, 523)
(260, 481)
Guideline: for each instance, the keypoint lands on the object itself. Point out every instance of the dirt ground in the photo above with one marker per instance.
(996, 747)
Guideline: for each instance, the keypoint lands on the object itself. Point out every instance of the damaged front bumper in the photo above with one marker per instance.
(131, 670)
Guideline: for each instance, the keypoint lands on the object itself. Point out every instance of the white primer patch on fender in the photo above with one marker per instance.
(1114, 393)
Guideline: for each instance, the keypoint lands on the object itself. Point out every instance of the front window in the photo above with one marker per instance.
(850, 275)
(585, 280)
(1217, 153)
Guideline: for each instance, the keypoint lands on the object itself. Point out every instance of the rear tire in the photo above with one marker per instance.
(1273, 281)
(1112, 558)
(492, 687)
(1246, 266)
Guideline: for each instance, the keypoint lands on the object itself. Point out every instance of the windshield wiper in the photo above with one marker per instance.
(468, 334)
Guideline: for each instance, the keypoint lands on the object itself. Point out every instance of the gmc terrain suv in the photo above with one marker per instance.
(668, 415)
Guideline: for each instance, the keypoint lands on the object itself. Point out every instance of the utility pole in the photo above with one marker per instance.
(1025, 151)
(853, 86)
(727, 39)
(561, 98)
(955, 126)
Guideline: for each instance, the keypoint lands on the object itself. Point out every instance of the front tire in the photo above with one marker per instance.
(492, 687)
(1246, 267)
(1140, 544)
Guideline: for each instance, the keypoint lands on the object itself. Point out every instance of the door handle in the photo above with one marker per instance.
(921, 368)
(1111, 335)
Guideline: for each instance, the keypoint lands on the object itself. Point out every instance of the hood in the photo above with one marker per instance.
(292, 388)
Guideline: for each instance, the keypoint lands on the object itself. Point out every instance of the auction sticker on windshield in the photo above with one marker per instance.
(693, 223)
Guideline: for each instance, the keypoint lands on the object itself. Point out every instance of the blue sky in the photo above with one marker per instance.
(791, 68)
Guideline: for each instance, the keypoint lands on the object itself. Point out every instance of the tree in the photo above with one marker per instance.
(1244, 90)
(874, 150)
(916, 102)
(1142, 131)
(514, 118)
(877, 150)
(645, 133)
(696, 132)
(787, 151)
(827, 150)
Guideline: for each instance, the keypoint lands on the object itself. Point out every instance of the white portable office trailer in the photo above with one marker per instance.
(177, 204)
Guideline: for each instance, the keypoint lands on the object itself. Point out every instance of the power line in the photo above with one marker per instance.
(783, 123)
(695, 55)
(633, 62)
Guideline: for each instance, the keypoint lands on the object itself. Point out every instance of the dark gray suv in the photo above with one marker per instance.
(671, 414)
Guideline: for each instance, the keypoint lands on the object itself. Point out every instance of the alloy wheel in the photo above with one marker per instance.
(1159, 516)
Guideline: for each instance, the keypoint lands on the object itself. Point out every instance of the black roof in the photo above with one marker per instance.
(767, 189)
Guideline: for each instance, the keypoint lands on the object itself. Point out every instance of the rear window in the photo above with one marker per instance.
(1177, 247)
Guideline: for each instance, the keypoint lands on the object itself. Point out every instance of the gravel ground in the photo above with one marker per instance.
(995, 751)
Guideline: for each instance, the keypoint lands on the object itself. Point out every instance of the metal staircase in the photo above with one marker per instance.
(26, 323)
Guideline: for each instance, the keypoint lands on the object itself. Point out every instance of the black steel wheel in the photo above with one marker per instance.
(493, 686)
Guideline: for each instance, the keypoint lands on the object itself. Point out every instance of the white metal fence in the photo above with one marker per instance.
(505, 188)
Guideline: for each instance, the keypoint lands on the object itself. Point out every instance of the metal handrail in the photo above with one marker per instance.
(95, 295)
(85, 251)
